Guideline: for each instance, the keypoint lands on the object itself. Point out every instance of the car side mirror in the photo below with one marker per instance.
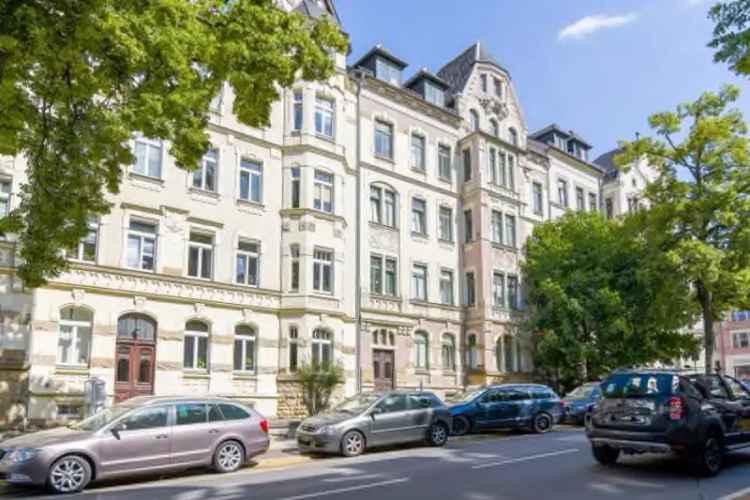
(118, 428)
(376, 411)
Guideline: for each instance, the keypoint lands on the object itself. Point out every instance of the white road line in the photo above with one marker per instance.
(351, 478)
(526, 459)
(736, 495)
(326, 493)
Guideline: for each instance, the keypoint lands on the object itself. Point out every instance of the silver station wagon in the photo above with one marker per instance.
(376, 419)
(144, 434)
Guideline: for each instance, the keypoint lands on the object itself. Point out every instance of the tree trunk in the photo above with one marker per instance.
(704, 296)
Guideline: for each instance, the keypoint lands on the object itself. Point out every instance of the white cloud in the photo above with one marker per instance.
(589, 24)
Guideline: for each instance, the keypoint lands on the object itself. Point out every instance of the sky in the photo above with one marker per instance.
(599, 67)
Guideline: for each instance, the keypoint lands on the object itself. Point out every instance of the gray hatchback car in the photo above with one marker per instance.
(375, 419)
(145, 434)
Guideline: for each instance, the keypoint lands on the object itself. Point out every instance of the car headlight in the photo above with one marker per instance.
(20, 455)
(327, 430)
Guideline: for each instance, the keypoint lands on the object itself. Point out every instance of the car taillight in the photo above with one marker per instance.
(675, 408)
(264, 425)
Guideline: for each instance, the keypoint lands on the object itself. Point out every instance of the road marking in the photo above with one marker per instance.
(526, 459)
(351, 478)
(736, 495)
(346, 490)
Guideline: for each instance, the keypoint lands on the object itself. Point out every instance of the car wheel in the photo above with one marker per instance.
(605, 455)
(542, 423)
(228, 457)
(437, 435)
(352, 444)
(461, 426)
(69, 474)
(710, 457)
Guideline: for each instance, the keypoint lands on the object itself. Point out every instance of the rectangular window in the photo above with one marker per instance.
(608, 204)
(493, 166)
(293, 348)
(148, 158)
(483, 80)
(562, 192)
(376, 205)
(446, 287)
(498, 289)
(294, 272)
(86, 248)
(593, 206)
(204, 177)
(741, 340)
(384, 140)
(580, 201)
(444, 162)
(376, 274)
(5, 190)
(195, 356)
(471, 298)
(537, 198)
(434, 95)
(510, 230)
(323, 190)
(296, 187)
(468, 226)
(503, 167)
(324, 116)
(418, 216)
(419, 282)
(498, 88)
(248, 263)
(74, 341)
(497, 226)
(511, 172)
(513, 292)
(141, 245)
(251, 181)
(244, 353)
(323, 271)
(298, 110)
(391, 277)
(417, 152)
(446, 224)
(387, 72)
(200, 255)
(632, 205)
(467, 165)
(389, 208)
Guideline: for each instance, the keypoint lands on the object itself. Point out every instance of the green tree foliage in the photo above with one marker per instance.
(318, 383)
(598, 299)
(732, 34)
(700, 202)
(78, 78)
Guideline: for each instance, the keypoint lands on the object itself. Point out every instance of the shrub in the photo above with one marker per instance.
(318, 383)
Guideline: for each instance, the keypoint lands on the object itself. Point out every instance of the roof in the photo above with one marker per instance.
(382, 52)
(318, 9)
(426, 74)
(457, 71)
(607, 162)
(550, 128)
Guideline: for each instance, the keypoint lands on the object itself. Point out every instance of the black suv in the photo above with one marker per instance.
(699, 417)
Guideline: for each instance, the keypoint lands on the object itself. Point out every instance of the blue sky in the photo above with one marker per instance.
(601, 78)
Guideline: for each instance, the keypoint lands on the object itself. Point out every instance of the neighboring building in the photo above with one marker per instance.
(734, 344)
(227, 279)
(622, 190)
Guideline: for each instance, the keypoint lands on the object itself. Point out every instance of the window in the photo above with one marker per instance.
(141, 245)
(383, 337)
(147, 158)
(394, 403)
(5, 190)
(215, 104)
(251, 181)
(511, 170)
(471, 298)
(632, 205)
(510, 230)
(146, 418)
(293, 348)
(294, 273)
(609, 208)
(86, 249)
(298, 110)
(483, 81)
(419, 282)
(376, 274)
(580, 202)
(513, 292)
(444, 162)
(473, 120)
(195, 356)
(417, 152)
(434, 95)
(498, 289)
(387, 71)
(562, 192)
(446, 287)
(509, 344)
(468, 226)
(536, 198)
(323, 190)
(472, 351)
(244, 348)
(136, 327)
(323, 271)
(296, 187)
(418, 216)
(191, 413)
(446, 223)
(383, 139)
(503, 166)
(390, 277)
(495, 128)
(498, 88)
(741, 340)
(448, 352)
(421, 351)
(493, 165)
(593, 207)
(248, 263)
(382, 206)
(467, 165)
(232, 412)
(324, 116)
(497, 226)
(74, 336)
(740, 315)
(513, 134)
(322, 347)
(200, 255)
(204, 177)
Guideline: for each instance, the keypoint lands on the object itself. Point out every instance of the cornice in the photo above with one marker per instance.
(405, 178)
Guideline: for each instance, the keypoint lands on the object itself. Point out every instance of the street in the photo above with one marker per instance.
(493, 466)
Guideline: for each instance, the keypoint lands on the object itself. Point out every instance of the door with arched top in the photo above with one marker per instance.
(135, 356)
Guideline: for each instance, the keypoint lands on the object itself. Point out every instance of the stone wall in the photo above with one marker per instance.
(290, 404)
(13, 384)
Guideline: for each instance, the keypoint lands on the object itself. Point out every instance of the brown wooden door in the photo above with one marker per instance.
(383, 369)
(135, 357)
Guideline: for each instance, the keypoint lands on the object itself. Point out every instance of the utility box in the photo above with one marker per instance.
(95, 390)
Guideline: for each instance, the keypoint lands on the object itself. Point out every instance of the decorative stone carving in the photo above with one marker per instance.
(199, 308)
(495, 107)
(248, 314)
(139, 302)
(78, 295)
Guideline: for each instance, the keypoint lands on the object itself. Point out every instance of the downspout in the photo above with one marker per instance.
(358, 77)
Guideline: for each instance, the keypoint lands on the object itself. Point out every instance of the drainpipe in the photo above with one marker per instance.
(359, 77)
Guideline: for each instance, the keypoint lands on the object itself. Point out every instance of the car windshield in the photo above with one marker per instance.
(639, 385)
(582, 392)
(357, 404)
(101, 419)
(464, 396)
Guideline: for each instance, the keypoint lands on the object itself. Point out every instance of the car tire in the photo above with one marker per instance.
(228, 457)
(353, 444)
(605, 455)
(709, 457)
(437, 434)
(69, 474)
(461, 426)
(542, 423)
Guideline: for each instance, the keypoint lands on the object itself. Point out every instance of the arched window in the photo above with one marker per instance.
(472, 351)
(513, 134)
(495, 128)
(473, 120)
(421, 350)
(195, 356)
(322, 347)
(136, 327)
(448, 352)
(244, 349)
(383, 205)
(510, 354)
(74, 336)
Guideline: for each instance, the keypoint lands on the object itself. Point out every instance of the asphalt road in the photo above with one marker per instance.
(556, 465)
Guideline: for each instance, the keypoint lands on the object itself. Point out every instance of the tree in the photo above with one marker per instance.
(599, 300)
(699, 213)
(318, 383)
(78, 78)
(732, 34)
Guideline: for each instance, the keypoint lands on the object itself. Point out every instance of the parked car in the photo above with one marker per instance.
(580, 401)
(699, 417)
(507, 406)
(374, 419)
(143, 435)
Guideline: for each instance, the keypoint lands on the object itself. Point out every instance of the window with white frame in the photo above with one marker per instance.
(244, 349)
(580, 200)
(391, 277)
(593, 204)
(85, 251)
(446, 287)
(562, 192)
(195, 352)
(502, 176)
(446, 223)
(417, 152)
(497, 226)
(472, 351)
(467, 165)
(511, 184)
(513, 136)
(376, 274)
(141, 245)
(247, 262)
(200, 255)
(387, 71)
(498, 289)
(298, 109)
(492, 156)
(251, 180)
(512, 293)
(322, 347)
(510, 230)
(148, 157)
(448, 352)
(323, 270)
(741, 340)
(204, 177)
(418, 216)
(383, 139)
(468, 226)
(295, 268)
(419, 282)
(296, 187)
(383, 275)
(444, 162)
(421, 351)
(293, 348)
(323, 190)
(382, 206)
(537, 200)
(5, 190)
(74, 336)
(324, 116)
(434, 94)
(471, 292)
(473, 120)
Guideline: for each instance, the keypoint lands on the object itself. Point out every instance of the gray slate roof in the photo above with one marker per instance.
(313, 9)
(457, 71)
(607, 162)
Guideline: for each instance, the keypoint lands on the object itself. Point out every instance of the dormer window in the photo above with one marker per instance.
(387, 71)
(434, 94)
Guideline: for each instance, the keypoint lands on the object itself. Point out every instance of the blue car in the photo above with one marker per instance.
(579, 402)
(508, 406)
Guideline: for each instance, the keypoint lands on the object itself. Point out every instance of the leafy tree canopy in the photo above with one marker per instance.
(732, 34)
(78, 78)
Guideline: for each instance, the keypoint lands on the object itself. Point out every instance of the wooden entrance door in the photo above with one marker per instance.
(383, 368)
(135, 357)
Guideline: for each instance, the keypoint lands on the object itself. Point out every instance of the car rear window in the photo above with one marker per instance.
(232, 412)
(638, 384)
